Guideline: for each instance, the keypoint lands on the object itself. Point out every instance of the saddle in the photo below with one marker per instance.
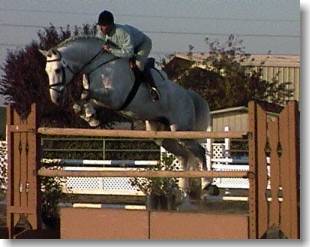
(143, 75)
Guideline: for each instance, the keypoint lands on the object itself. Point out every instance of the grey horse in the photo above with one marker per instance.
(110, 80)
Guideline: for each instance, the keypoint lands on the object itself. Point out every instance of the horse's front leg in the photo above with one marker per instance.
(85, 107)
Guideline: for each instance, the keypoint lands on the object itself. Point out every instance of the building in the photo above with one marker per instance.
(285, 68)
(236, 118)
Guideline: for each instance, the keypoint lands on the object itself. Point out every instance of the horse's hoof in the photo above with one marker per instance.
(89, 115)
(187, 208)
(89, 111)
(77, 108)
(187, 205)
(212, 190)
(94, 123)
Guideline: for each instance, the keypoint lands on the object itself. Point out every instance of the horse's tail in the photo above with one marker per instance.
(202, 112)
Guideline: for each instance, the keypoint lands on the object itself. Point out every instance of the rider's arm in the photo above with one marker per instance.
(124, 43)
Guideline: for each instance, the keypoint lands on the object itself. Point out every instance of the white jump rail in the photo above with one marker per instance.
(76, 162)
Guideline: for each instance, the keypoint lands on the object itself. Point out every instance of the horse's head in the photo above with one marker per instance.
(59, 74)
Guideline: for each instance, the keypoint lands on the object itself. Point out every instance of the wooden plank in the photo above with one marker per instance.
(32, 180)
(253, 216)
(19, 201)
(262, 172)
(285, 216)
(19, 210)
(294, 169)
(16, 166)
(141, 133)
(180, 174)
(103, 224)
(274, 173)
(23, 170)
(20, 128)
(10, 172)
(197, 226)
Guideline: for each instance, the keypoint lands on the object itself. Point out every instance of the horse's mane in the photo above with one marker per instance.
(77, 38)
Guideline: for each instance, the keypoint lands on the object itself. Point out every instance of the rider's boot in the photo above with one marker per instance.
(148, 79)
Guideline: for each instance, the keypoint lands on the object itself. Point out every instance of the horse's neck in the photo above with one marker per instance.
(106, 71)
(79, 54)
(116, 73)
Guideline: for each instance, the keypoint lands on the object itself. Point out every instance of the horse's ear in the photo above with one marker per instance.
(43, 52)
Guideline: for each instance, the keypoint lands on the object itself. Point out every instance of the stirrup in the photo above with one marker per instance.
(154, 94)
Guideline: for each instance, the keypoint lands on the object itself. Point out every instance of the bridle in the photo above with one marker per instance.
(75, 74)
(63, 82)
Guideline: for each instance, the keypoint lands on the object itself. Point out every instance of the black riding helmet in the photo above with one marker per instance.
(105, 18)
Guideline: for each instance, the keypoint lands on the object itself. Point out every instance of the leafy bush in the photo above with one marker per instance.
(51, 196)
(159, 186)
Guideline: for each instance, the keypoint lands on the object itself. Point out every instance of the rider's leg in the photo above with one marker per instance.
(141, 58)
(147, 76)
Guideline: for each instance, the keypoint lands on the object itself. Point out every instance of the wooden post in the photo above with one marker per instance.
(253, 214)
(274, 174)
(23, 185)
(258, 212)
(289, 175)
(282, 144)
(261, 172)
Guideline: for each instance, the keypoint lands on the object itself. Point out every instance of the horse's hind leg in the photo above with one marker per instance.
(170, 145)
(199, 160)
(197, 150)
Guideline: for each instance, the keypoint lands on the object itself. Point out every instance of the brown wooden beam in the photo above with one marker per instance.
(45, 172)
(141, 133)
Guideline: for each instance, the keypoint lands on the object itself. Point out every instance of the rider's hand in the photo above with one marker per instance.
(106, 48)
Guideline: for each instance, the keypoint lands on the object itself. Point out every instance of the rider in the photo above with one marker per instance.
(127, 41)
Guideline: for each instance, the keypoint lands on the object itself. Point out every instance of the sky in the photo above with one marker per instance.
(173, 25)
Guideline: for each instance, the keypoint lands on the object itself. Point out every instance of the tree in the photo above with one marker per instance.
(224, 81)
(25, 82)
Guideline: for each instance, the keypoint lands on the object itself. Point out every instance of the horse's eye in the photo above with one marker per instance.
(57, 71)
